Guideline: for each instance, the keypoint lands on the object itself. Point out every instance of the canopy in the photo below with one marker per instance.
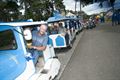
(96, 9)
(54, 19)
(58, 17)
(18, 24)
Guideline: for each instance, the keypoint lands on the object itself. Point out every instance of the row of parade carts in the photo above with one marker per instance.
(63, 30)
(19, 63)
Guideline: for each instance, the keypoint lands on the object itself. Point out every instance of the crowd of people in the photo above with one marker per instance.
(114, 17)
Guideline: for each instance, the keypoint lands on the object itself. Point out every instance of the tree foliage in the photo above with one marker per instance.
(8, 10)
(34, 9)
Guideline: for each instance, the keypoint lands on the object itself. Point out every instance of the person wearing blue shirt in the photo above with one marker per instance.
(118, 17)
(39, 42)
(114, 18)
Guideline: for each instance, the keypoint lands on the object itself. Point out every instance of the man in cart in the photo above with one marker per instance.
(39, 42)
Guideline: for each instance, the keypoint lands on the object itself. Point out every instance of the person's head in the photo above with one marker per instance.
(43, 29)
(60, 25)
(56, 24)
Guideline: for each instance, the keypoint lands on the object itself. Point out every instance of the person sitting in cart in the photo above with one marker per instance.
(39, 42)
(61, 28)
(54, 28)
(57, 28)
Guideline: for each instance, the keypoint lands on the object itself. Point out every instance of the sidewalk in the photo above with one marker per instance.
(64, 56)
(97, 55)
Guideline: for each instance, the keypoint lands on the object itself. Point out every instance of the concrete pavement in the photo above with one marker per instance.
(97, 55)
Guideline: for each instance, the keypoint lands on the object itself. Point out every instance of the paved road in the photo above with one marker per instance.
(97, 56)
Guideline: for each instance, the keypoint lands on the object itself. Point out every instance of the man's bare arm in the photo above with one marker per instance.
(40, 48)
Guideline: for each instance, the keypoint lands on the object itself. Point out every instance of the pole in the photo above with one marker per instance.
(80, 6)
(75, 6)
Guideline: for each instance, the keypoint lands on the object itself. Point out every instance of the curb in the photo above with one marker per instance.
(68, 55)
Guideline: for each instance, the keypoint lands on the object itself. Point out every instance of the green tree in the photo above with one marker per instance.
(40, 9)
(9, 10)
(59, 5)
(35, 9)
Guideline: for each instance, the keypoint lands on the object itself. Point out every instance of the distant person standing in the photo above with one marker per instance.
(102, 18)
(114, 18)
(97, 18)
(118, 17)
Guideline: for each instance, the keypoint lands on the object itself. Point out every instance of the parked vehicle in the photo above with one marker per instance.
(16, 62)
(78, 26)
(90, 24)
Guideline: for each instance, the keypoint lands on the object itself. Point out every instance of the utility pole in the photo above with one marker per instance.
(80, 6)
(75, 7)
